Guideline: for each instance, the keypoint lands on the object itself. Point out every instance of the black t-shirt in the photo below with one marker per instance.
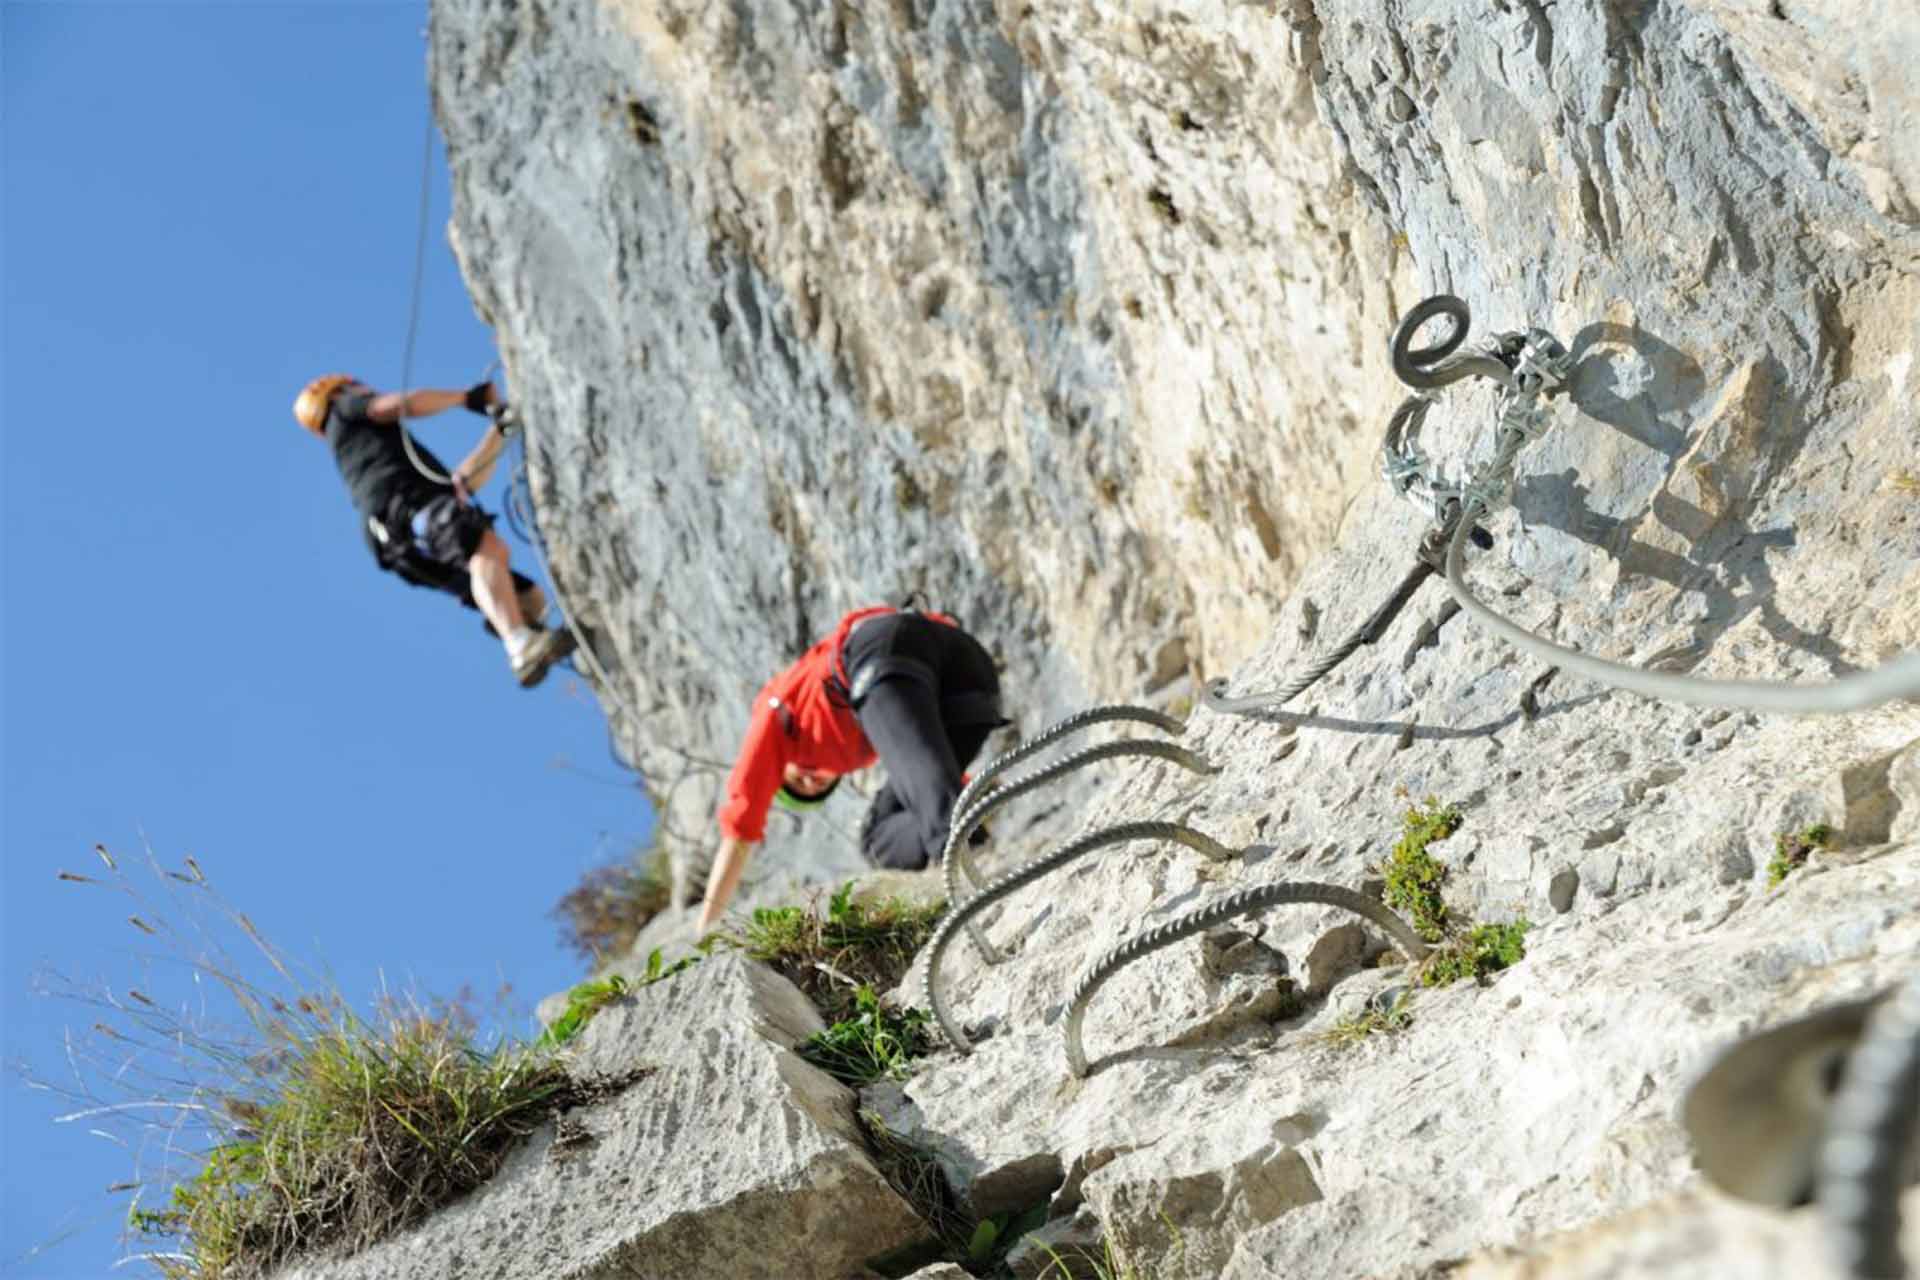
(374, 462)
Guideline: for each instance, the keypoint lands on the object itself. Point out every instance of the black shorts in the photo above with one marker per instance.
(448, 531)
(440, 536)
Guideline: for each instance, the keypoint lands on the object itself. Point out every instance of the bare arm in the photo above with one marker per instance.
(424, 403)
(723, 880)
(477, 467)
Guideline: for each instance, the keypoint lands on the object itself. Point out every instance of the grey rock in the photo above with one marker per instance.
(1338, 952)
(1560, 890)
(1226, 951)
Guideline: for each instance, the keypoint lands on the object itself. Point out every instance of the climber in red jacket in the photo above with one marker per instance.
(909, 689)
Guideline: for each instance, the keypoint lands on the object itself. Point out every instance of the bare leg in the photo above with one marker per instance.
(493, 585)
(533, 604)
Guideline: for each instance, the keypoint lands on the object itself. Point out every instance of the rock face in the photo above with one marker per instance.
(1073, 318)
(722, 1153)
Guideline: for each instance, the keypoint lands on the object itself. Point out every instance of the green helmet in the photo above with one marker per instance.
(794, 802)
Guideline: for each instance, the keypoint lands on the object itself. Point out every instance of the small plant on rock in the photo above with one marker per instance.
(830, 955)
(1413, 875)
(1352, 1030)
(589, 998)
(1790, 851)
(874, 1044)
(583, 1001)
(1483, 950)
(1413, 880)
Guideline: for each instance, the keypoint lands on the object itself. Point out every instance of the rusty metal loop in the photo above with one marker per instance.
(1223, 909)
(964, 822)
(1025, 874)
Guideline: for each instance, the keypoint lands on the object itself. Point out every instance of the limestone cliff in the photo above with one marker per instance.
(1073, 317)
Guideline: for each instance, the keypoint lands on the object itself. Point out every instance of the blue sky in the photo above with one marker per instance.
(204, 205)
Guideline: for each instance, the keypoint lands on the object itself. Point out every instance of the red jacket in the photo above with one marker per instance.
(795, 719)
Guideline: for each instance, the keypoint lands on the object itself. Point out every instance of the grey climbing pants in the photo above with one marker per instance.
(927, 696)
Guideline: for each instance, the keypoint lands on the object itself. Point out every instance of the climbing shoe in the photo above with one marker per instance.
(545, 649)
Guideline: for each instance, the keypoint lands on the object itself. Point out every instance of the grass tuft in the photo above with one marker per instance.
(830, 955)
(874, 1044)
(1350, 1031)
(368, 1128)
(1790, 851)
(915, 1173)
(265, 1117)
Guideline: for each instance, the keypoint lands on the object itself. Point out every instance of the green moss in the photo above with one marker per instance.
(1483, 950)
(1414, 875)
(1790, 851)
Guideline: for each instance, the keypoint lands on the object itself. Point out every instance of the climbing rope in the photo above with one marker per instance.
(965, 821)
(1872, 1127)
(1218, 912)
(1025, 874)
(420, 464)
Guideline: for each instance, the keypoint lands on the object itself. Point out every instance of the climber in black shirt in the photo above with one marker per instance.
(427, 530)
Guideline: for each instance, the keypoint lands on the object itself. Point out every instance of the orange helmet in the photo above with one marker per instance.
(310, 406)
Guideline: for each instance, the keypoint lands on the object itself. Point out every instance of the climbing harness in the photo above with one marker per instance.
(1872, 1127)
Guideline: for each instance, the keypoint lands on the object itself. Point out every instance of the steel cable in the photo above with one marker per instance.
(1869, 1149)
(1899, 678)
(955, 858)
(1234, 904)
(1214, 695)
(1025, 874)
(1527, 366)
